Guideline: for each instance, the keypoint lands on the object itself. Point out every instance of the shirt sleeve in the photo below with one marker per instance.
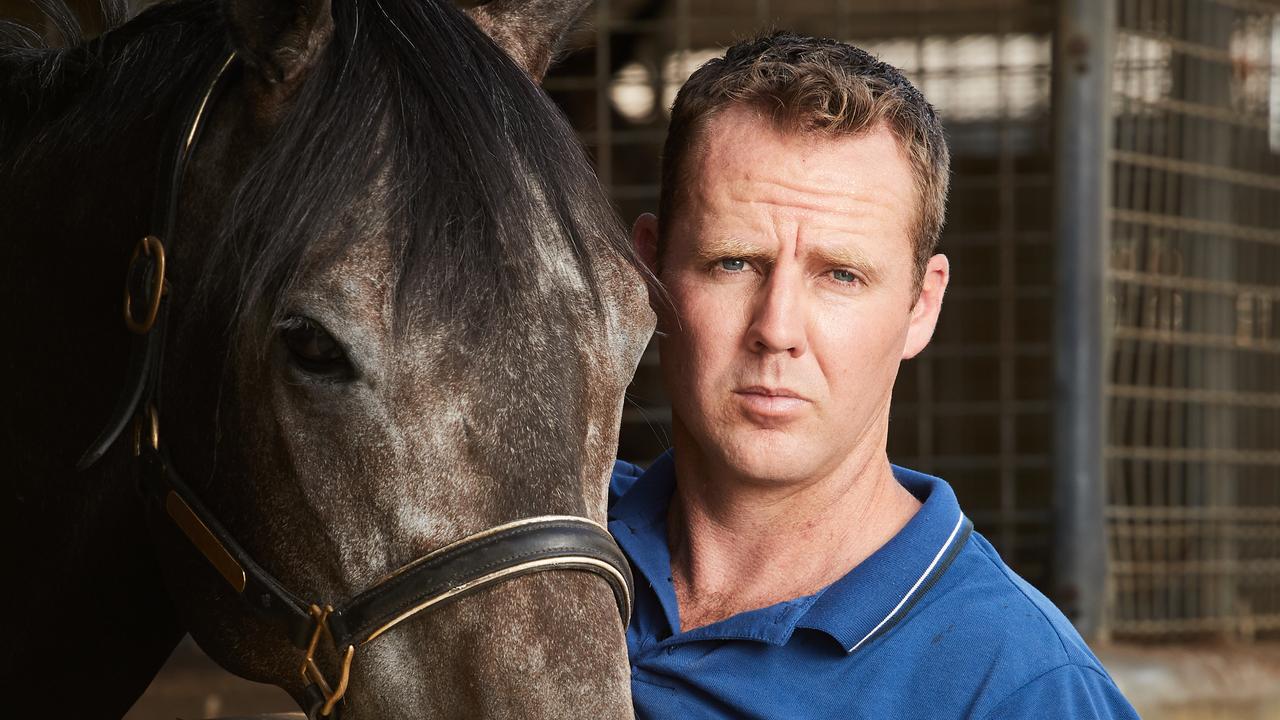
(1069, 692)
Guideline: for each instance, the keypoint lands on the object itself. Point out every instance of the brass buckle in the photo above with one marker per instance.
(153, 435)
(311, 671)
(149, 246)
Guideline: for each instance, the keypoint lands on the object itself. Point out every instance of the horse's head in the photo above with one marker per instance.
(403, 313)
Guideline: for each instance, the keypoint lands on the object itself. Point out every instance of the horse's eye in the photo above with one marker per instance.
(313, 350)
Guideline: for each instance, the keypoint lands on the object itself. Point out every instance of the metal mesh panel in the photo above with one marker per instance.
(974, 408)
(1193, 457)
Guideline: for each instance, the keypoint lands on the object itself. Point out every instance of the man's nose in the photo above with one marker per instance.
(778, 318)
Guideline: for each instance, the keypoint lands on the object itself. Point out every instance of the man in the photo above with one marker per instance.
(784, 568)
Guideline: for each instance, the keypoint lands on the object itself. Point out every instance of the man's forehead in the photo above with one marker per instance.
(745, 141)
(750, 172)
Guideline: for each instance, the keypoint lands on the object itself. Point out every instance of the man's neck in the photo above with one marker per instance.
(737, 546)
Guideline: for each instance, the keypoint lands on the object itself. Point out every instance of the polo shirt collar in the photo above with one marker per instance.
(854, 610)
(877, 594)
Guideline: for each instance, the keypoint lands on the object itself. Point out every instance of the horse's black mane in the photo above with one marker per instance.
(482, 171)
(83, 93)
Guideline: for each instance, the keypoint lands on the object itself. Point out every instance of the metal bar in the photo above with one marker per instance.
(1197, 514)
(1199, 170)
(968, 408)
(1196, 50)
(1220, 230)
(1219, 457)
(977, 462)
(1082, 138)
(1199, 110)
(1192, 284)
(1208, 566)
(1167, 532)
(1006, 207)
(1164, 629)
(1250, 6)
(1123, 361)
(1203, 397)
(603, 140)
(1199, 340)
(982, 350)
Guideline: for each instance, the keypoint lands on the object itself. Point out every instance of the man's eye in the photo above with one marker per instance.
(844, 276)
(733, 264)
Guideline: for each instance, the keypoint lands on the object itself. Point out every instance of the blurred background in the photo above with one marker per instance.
(1103, 391)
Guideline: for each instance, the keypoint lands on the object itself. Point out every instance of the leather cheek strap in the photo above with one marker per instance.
(265, 595)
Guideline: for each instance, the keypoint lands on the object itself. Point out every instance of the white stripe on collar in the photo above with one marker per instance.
(923, 576)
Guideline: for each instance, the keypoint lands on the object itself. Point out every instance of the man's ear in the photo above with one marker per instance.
(924, 314)
(529, 30)
(644, 236)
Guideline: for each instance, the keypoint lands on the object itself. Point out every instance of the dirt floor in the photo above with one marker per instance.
(1198, 682)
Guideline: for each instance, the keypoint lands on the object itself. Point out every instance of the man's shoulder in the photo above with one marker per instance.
(1067, 691)
(1010, 610)
(1013, 642)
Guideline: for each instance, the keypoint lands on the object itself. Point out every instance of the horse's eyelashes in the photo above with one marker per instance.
(313, 350)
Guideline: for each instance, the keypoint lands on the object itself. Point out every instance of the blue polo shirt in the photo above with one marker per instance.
(932, 625)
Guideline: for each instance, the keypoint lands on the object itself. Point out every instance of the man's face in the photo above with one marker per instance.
(790, 267)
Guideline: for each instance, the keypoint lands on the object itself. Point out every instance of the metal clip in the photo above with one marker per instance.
(151, 247)
(154, 434)
(311, 671)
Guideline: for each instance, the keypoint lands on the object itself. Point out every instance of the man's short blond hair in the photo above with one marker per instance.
(821, 86)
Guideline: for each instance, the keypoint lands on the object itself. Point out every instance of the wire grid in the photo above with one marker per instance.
(1193, 453)
(975, 407)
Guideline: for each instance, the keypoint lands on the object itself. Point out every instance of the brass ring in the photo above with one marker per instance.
(150, 245)
(154, 416)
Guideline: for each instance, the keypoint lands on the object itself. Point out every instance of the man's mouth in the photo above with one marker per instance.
(770, 402)
(770, 391)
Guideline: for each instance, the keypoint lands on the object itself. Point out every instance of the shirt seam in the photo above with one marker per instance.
(1066, 652)
(1041, 676)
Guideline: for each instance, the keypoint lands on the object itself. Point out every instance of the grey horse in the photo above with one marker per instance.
(400, 311)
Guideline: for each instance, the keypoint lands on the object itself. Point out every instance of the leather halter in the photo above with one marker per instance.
(500, 553)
